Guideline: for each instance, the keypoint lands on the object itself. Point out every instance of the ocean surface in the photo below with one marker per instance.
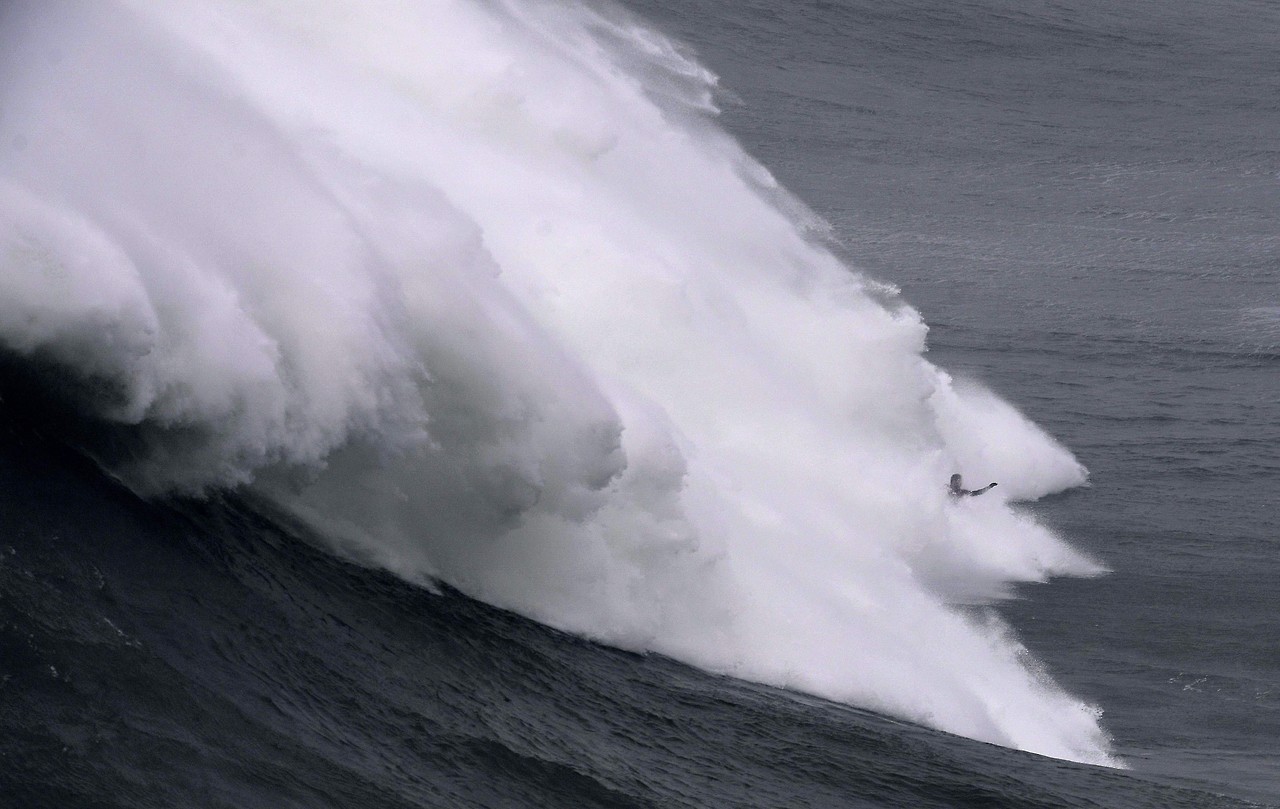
(533, 404)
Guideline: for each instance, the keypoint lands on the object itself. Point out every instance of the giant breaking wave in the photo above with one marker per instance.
(480, 292)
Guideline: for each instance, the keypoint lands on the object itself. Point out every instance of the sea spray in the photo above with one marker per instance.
(482, 293)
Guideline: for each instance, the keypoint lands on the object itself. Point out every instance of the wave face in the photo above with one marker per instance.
(482, 293)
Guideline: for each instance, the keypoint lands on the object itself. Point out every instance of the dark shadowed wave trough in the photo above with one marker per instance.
(551, 404)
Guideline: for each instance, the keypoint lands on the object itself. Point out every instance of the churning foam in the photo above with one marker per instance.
(481, 291)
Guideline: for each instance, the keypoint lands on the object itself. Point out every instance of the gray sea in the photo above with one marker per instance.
(1081, 198)
(1084, 201)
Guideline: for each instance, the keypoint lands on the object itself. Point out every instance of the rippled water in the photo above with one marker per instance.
(1083, 200)
(1080, 198)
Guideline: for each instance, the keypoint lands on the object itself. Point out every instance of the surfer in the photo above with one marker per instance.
(957, 488)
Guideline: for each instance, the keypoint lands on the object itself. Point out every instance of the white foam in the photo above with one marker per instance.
(483, 293)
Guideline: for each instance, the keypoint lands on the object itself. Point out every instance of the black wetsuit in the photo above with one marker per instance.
(957, 489)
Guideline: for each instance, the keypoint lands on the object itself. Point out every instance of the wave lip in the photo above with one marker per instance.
(484, 294)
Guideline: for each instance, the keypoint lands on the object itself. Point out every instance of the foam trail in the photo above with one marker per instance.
(482, 293)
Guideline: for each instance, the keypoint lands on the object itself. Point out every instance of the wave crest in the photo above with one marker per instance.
(484, 294)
